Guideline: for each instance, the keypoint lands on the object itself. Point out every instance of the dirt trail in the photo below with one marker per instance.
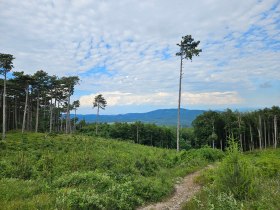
(183, 192)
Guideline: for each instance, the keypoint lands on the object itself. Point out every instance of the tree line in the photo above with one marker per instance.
(256, 129)
(253, 130)
(35, 102)
(137, 132)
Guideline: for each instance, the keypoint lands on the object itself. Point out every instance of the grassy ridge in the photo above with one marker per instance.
(242, 181)
(38, 171)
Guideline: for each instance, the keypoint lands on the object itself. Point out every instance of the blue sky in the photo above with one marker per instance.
(126, 49)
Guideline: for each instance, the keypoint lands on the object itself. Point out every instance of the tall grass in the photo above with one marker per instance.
(241, 181)
(39, 171)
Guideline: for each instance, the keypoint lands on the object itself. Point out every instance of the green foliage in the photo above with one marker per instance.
(216, 127)
(211, 154)
(241, 181)
(146, 167)
(269, 164)
(6, 62)
(209, 200)
(148, 134)
(39, 171)
(206, 177)
(236, 175)
(188, 48)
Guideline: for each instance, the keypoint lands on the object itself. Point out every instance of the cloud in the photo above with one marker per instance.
(167, 98)
(129, 46)
(265, 85)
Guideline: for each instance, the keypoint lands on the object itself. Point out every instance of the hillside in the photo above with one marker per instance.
(40, 171)
(159, 117)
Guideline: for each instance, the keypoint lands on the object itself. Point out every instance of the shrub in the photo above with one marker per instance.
(22, 166)
(208, 199)
(236, 175)
(146, 167)
(269, 166)
(211, 154)
(79, 199)
(45, 167)
(99, 181)
(151, 189)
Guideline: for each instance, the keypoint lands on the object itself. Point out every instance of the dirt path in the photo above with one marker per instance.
(183, 192)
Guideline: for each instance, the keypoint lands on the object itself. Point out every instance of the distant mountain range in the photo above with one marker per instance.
(159, 117)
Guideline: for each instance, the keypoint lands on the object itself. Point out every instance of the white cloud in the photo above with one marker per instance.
(126, 37)
(164, 98)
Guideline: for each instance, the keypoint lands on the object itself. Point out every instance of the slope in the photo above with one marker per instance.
(39, 171)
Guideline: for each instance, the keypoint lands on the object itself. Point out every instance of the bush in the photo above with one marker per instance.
(79, 199)
(236, 175)
(95, 179)
(269, 166)
(211, 154)
(146, 166)
(209, 199)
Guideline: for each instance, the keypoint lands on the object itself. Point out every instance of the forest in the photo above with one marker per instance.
(36, 102)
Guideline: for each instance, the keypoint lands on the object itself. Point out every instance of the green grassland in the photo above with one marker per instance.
(40, 171)
(248, 181)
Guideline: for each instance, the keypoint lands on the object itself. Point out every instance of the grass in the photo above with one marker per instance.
(241, 181)
(39, 171)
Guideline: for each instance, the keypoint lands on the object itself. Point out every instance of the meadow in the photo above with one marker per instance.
(51, 171)
(248, 181)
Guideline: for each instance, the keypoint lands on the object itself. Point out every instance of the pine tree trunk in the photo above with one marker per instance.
(27, 116)
(51, 116)
(269, 134)
(15, 113)
(8, 119)
(179, 103)
(55, 116)
(31, 116)
(275, 131)
(25, 110)
(68, 114)
(251, 137)
(61, 124)
(75, 121)
(259, 132)
(13, 123)
(240, 134)
(45, 105)
(37, 114)
(244, 142)
(4, 108)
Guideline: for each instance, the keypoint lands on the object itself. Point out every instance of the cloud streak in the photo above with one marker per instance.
(117, 98)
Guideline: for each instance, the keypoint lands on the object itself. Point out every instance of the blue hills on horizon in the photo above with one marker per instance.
(158, 117)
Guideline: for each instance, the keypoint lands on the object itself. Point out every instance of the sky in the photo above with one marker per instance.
(126, 50)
